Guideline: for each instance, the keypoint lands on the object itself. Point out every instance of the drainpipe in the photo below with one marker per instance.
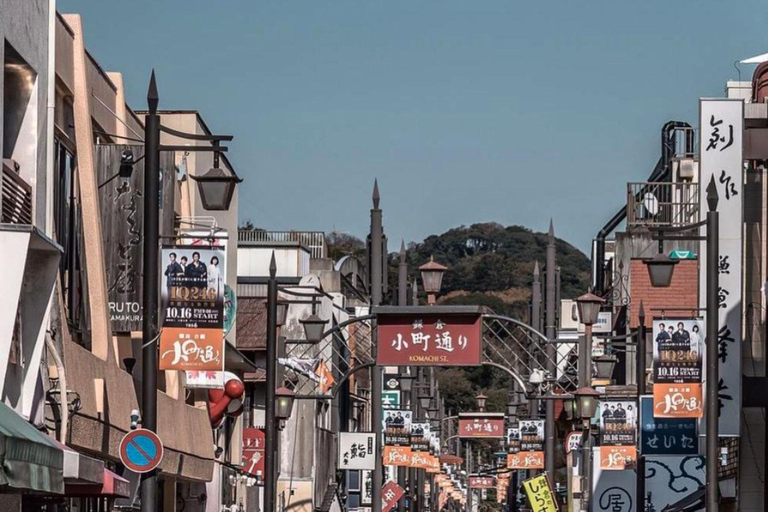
(661, 172)
(50, 117)
(63, 398)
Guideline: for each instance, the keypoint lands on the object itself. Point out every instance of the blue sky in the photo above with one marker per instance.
(466, 111)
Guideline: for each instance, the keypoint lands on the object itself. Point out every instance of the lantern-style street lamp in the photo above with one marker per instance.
(604, 366)
(314, 327)
(589, 308)
(589, 311)
(406, 382)
(432, 278)
(660, 270)
(284, 403)
(481, 399)
(586, 400)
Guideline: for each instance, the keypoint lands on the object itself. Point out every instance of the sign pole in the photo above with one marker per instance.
(376, 293)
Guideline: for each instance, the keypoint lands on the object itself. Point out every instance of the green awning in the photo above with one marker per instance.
(29, 460)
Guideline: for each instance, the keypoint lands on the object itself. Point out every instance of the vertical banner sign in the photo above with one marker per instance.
(540, 495)
(513, 439)
(356, 450)
(618, 434)
(721, 130)
(678, 346)
(390, 495)
(253, 450)
(420, 445)
(531, 454)
(665, 436)
(429, 339)
(397, 437)
(192, 337)
(366, 487)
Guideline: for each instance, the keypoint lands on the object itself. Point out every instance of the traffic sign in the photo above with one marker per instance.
(141, 450)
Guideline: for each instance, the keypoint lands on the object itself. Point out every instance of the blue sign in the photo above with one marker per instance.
(666, 436)
(141, 450)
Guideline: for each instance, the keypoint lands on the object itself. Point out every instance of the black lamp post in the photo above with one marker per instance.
(589, 311)
(432, 278)
(586, 405)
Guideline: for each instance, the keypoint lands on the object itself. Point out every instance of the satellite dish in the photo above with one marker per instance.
(651, 204)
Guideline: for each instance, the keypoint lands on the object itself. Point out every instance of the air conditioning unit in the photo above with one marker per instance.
(569, 315)
(686, 169)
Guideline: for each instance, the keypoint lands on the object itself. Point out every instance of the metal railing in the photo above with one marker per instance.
(662, 204)
(15, 197)
(313, 240)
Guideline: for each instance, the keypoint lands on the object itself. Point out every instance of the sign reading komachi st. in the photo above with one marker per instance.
(429, 336)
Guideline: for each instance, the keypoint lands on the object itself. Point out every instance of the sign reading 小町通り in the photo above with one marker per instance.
(356, 450)
(678, 345)
(531, 446)
(618, 434)
(429, 339)
(665, 436)
(397, 437)
(482, 482)
(721, 131)
(192, 337)
(540, 494)
(253, 450)
(481, 425)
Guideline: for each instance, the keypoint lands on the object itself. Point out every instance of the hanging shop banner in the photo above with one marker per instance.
(665, 436)
(678, 345)
(429, 339)
(531, 454)
(540, 495)
(325, 380)
(390, 399)
(366, 488)
(721, 131)
(397, 437)
(420, 445)
(390, 495)
(253, 450)
(356, 450)
(618, 434)
(485, 425)
(573, 441)
(482, 482)
(513, 439)
(502, 483)
(192, 337)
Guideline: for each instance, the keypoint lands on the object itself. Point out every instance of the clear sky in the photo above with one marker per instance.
(467, 111)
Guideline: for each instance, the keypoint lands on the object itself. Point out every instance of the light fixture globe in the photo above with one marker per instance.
(314, 327)
(284, 403)
(586, 402)
(589, 308)
(569, 406)
(216, 188)
(660, 270)
(432, 275)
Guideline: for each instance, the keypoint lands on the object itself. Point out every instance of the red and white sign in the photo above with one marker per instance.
(481, 425)
(390, 495)
(573, 441)
(141, 450)
(253, 450)
(430, 339)
(525, 460)
(482, 482)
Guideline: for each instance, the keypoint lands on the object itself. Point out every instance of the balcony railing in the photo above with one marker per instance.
(662, 204)
(15, 196)
(313, 240)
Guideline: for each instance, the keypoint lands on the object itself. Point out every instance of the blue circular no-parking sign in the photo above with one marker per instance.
(141, 451)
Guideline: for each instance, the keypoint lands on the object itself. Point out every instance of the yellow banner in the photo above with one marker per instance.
(540, 494)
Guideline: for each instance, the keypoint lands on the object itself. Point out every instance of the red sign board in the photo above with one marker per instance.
(430, 339)
(482, 426)
(253, 450)
(482, 482)
(390, 495)
(525, 460)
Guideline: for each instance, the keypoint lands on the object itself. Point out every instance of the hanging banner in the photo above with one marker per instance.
(618, 434)
(390, 495)
(192, 293)
(540, 495)
(721, 130)
(513, 439)
(397, 437)
(446, 339)
(531, 442)
(420, 445)
(481, 424)
(356, 450)
(366, 489)
(665, 436)
(325, 378)
(254, 443)
(482, 482)
(678, 345)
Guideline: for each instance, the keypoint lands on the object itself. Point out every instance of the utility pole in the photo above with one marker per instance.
(402, 300)
(376, 295)
(151, 285)
(713, 368)
(640, 378)
(270, 445)
(549, 448)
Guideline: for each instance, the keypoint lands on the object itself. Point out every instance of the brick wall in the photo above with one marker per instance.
(683, 292)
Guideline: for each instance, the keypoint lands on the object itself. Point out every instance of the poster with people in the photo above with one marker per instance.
(192, 295)
(530, 454)
(513, 439)
(420, 445)
(678, 345)
(618, 434)
(397, 437)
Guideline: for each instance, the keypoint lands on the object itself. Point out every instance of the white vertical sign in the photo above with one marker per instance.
(721, 129)
(356, 450)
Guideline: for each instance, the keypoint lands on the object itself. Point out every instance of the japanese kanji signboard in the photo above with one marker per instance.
(665, 436)
(481, 425)
(430, 339)
(678, 345)
(540, 494)
(420, 445)
(618, 434)
(356, 450)
(390, 495)
(530, 454)
(721, 130)
(482, 482)
(397, 437)
(253, 450)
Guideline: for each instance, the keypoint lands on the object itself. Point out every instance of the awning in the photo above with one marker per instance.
(694, 501)
(79, 468)
(112, 486)
(29, 460)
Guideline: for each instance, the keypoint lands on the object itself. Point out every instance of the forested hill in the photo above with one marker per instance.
(492, 265)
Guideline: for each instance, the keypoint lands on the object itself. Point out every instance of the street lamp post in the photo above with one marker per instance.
(376, 273)
(432, 278)
(586, 404)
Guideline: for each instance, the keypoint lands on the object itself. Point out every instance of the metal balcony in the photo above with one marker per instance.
(15, 196)
(662, 204)
(312, 240)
